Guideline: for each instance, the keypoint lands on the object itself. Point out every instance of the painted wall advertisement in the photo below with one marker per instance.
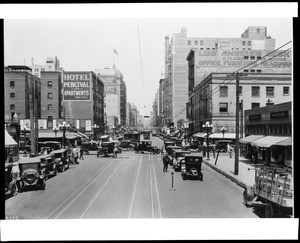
(76, 86)
(109, 84)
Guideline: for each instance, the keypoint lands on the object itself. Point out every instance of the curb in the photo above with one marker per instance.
(228, 175)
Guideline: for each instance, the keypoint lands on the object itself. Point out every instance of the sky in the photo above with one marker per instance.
(84, 41)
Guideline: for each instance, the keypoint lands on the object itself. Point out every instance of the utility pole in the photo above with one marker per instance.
(237, 126)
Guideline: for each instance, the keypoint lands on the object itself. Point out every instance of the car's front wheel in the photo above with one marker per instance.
(14, 190)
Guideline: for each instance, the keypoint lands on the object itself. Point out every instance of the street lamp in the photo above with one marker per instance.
(223, 130)
(64, 126)
(94, 129)
(208, 127)
(55, 130)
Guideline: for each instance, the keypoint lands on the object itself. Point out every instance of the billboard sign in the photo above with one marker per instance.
(76, 86)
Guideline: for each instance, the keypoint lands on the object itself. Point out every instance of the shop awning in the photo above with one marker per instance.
(104, 136)
(268, 141)
(9, 141)
(72, 135)
(50, 135)
(220, 135)
(287, 142)
(250, 138)
(82, 135)
(200, 135)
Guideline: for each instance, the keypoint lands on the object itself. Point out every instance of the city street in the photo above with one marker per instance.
(130, 186)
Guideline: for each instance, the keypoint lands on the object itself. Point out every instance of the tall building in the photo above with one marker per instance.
(52, 64)
(83, 101)
(115, 96)
(177, 74)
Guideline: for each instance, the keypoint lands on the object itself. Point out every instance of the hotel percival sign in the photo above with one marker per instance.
(76, 86)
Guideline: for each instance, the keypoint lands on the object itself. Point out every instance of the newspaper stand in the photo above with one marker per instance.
(272, 188)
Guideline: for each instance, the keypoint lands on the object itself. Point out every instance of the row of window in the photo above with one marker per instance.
(49, 95)
(12, 84)
(13, 107)
(273, 129)
(255, 91)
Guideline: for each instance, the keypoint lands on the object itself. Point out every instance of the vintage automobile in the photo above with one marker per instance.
(106, 149)
(89, 146)
(146, 146)
(49, 165)
(11, 186)
(171, 149)
(117, 145)
(31, 173)
(168, 143)
(178, 158)
(191, 166)
(62, 158)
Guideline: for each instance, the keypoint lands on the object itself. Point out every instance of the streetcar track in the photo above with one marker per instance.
(151, 188)
(156, 189)
(134, 189)
(62, 207)
(99, 191)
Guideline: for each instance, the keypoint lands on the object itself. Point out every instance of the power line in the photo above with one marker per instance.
(140, 54)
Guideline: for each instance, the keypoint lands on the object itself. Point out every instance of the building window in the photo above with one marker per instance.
(12, 107)
(246, 70)
(49, 84)
(49, 95)
(252, 58)
(240, 90)
(254, 105)
(246, 57)
(249, 43)
(201, 43)
(286, 90)
(196, 42)
(258, 31)
(12, 95)
(255, 91)
(223, 107)
(243, 43)
(12, 84)
(189, 43)
(270, 91)
(49, 107)
(258, 70)
(223, 91)
(258, 57)
(50, 119)
(252, 71)
(207, 48)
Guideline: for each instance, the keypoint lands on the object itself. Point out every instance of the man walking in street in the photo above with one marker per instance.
(166, 160)
(81, 153)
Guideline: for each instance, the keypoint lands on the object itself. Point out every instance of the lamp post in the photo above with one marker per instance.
(207, 126)
(95, 127)
(64, 126)
(223, 130)
(55, 130)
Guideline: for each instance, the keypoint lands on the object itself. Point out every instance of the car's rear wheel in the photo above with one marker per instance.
(14, 190)
(62, 168)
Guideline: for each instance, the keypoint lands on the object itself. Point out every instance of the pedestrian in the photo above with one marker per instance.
(10, 159)
(115, 151)
(166, 160)
(230, 149)
(81, 153)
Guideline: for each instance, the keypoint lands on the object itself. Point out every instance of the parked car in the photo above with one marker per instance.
(89, 146)
(171, 149)
(49, 165)
(11, 186)
(31, 173)
(62, 159)
(191, 166)
(178, 158)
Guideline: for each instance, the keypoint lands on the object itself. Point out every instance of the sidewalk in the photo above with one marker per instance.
(225, 166)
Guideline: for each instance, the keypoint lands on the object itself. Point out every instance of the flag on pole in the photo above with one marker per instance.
(116, 52)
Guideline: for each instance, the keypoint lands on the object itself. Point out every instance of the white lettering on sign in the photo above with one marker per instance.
(77, 84)
(77, 77)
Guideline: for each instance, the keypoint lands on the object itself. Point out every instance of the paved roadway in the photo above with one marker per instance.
(130, 186)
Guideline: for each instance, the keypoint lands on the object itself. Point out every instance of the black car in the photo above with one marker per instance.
(179, 158)
(62, 158)
(49, 164)
(89, 146)
(106, 149)
(146, 146)
(31, 173)
(191, 166)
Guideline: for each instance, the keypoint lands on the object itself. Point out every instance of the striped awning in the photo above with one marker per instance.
(220, 135)
(200, 135)
(250, 138)
(268, 141)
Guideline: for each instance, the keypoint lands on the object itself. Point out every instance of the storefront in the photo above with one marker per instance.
(11, 146)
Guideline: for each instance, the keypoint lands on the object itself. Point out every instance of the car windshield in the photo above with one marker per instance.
(29, 166)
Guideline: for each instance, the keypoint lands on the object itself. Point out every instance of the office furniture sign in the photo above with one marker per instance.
(76, 86)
